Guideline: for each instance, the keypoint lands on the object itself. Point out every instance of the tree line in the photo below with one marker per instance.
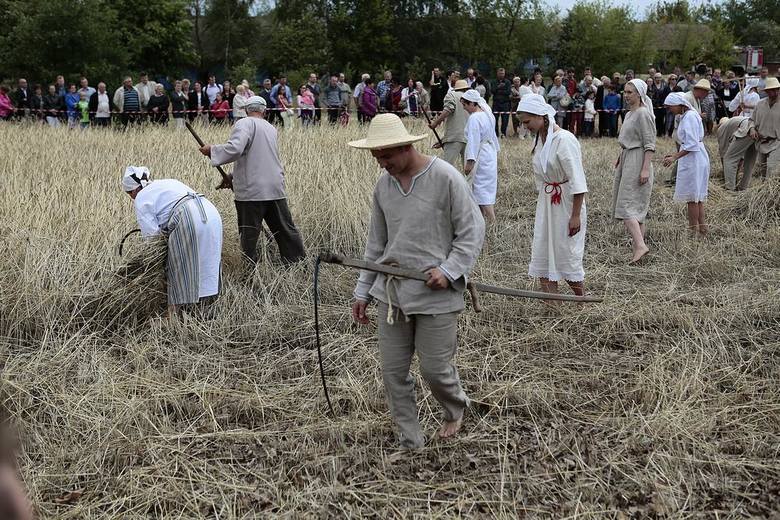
(103, 39)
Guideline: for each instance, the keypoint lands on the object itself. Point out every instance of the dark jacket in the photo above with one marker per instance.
(93, 103)
(161, 103)
(179, 104)
(36, 106)
(56, 103)
(501, 90)
(193, 103)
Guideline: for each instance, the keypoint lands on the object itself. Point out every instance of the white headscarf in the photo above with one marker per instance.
(473, 96)
(750, 84)
(536, 105)
(134, 177)
(675, 98)
(641, 88)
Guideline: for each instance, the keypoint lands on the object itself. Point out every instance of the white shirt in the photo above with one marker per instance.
(212, 91)
(154, 203)
(103, 107)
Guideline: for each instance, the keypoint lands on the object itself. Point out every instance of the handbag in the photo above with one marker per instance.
(566, 101)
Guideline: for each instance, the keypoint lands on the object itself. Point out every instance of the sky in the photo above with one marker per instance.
(640, 6)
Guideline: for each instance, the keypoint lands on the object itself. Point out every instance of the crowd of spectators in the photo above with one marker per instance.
(587, 105)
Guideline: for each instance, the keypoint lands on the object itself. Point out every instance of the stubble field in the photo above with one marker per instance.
(664, 400)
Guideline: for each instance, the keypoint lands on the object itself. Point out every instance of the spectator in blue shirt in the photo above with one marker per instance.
(72, 99)
(282, 85)
(613, 105)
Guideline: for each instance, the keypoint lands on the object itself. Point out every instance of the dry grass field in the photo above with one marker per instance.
(663, 401)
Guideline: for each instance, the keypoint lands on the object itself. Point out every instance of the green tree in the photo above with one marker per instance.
(70, 37)
(593, 34)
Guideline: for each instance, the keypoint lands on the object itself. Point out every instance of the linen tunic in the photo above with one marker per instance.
(480, 148)
(454, 127)
(735, 128)
(637, 136)
(153, 207)
(767, 121)
(554, 254)
(693, 170)
(435, 224)
(258, 173)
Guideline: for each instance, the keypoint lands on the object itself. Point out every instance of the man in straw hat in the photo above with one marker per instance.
(694, 96)
(423, 217)
(258, 183)
(454, 139)
(766, 130)
(735, 146)
(192, 226)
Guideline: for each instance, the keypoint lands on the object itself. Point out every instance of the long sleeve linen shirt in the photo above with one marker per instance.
(258, 173)
(766, 118)
(436, 224)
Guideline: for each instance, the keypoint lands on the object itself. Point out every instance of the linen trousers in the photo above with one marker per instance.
(453, 152)
(769, 162)
(276, 214)
(434, 338)
(740, 148)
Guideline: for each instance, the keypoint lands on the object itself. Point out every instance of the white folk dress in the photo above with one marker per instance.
(480, 133)
(693, 170)
(555, 255)
(193, 228)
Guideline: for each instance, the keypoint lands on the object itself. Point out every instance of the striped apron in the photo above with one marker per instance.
(183, 267)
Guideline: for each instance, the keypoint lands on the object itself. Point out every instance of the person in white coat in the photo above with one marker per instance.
(747, 99)
(192, 227)
(481, 156)
(561, 216)
(693, 161)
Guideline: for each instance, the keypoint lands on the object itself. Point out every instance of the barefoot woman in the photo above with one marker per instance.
(633, 169)
(559, 228)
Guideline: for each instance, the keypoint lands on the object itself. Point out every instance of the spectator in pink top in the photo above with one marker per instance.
(219, 109)
(6, 106)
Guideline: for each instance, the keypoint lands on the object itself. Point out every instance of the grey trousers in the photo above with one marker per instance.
(770, 162)
(434, 338)
(740, 148)
(276, 214)
(454, 152)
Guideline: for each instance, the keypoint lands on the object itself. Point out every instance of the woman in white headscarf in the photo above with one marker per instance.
(693, 161)
(561, 218)
(634, 168)
(193, 229)
(481, 155)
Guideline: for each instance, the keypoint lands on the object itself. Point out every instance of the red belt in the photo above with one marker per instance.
(554, 189)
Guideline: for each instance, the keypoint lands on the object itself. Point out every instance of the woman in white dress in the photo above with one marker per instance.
(693, 166)
(561, 217)
(193, 229)
(481, 155)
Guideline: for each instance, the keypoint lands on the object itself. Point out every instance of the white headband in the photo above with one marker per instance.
(134, 177)
(474, 97)
(536, 105)
(675, 98)
(641, 88)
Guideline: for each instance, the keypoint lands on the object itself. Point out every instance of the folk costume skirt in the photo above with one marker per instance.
(194, 251)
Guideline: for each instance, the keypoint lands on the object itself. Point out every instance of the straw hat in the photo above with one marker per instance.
(771, 83)
(386, 131)
(703, 84)
(461, 84)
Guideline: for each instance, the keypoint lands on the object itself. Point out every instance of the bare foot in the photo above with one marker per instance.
(449, 429)
(638, 255)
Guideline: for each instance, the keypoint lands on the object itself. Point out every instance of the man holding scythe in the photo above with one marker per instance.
(423, 217)
(258, 183)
